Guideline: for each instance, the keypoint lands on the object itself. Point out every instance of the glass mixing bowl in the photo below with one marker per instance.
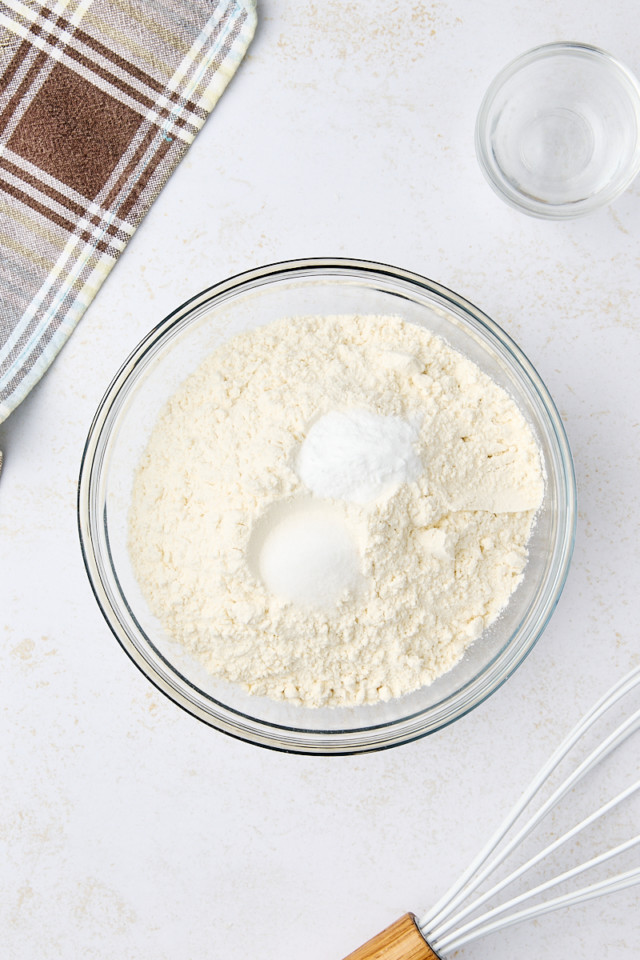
(119, 434)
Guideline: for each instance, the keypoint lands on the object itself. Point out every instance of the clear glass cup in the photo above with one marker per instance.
(120, 432)
(558, 131)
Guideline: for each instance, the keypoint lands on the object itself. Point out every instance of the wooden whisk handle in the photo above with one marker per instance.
(401, 941)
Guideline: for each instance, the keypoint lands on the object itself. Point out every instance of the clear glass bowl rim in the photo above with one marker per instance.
(300, 739)
(490, 169)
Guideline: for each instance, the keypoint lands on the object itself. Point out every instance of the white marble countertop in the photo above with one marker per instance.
(128, 828)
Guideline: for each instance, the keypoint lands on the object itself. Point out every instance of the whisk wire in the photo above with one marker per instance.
(443, 942)
(435, 922)
(629, 726)
(612, 885)
(547, 851)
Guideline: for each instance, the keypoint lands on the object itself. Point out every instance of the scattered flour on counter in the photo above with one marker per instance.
(331, 509)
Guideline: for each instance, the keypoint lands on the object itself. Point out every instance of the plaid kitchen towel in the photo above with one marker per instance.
(99, 101)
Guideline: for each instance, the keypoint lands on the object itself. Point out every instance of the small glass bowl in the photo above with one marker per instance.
(119, 435)
(558, 131)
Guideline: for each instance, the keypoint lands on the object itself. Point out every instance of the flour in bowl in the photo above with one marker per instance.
(331, 509)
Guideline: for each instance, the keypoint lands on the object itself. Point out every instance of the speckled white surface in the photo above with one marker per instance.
(128, 829)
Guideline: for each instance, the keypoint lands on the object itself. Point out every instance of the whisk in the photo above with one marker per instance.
(451, 923)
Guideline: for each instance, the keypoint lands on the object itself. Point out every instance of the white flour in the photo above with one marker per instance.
(388, 594)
